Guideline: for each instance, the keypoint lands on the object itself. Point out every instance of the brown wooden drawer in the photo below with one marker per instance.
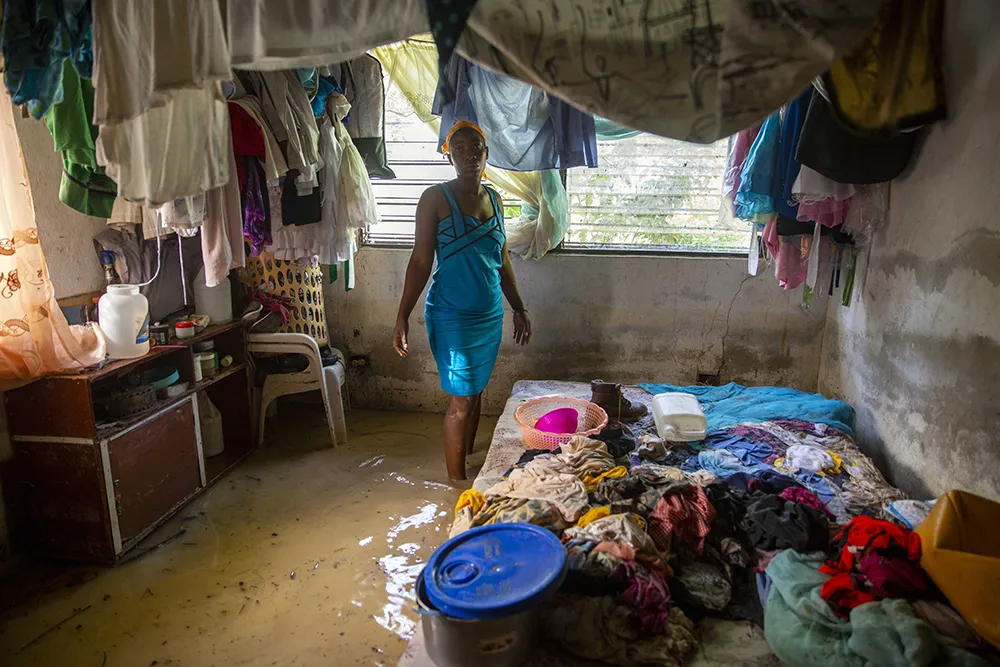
(154, 467)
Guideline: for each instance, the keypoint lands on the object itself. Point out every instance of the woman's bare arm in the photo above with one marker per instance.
(508, 283)
(418, 271)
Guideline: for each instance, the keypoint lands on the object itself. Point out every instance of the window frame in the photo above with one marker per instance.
(369, 237)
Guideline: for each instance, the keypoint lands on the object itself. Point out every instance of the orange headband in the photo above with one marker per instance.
(460, 125)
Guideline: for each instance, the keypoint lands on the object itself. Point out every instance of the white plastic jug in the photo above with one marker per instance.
(216, 302)
(679, 417)
(123, 315)
(212, 443)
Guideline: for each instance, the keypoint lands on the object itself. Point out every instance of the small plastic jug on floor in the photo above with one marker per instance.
(679, 417)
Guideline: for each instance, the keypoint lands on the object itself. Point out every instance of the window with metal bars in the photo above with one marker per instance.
(649, 194)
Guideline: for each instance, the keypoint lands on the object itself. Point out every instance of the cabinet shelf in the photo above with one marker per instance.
(107, 430)
(88, 490)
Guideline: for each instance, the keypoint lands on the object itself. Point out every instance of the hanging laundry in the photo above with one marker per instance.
(698, 72)
(247, 138)
(146, 51)
(84, 186)
(277, 34)
(868, 213)
(184, 215)
(837, 153)
(787, 169)
(347, 201)
(176, 150)
(892, 81)
(753, 200)
(222, 245)
(821, 199)
(126, 215)
(364, 88)
(274, 160)
(256, 214)
(288, 112)
(526, 128)
(37, 38)
(789, 261)
(739, 147)
(162, 116)
(447, 19)
(299, 209)
(323, 89)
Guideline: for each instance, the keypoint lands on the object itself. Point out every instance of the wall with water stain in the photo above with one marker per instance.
(919, 354)
(624, 318)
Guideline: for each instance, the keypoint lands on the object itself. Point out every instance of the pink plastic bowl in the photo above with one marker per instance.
(560, 420)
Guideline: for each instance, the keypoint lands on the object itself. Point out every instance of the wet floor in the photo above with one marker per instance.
(303, 555)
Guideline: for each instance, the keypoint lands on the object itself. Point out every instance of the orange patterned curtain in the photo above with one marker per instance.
(35, 338)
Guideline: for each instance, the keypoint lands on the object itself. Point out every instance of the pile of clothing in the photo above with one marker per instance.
(662, 536)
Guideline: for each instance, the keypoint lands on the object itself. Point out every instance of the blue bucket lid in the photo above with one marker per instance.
(494, 571)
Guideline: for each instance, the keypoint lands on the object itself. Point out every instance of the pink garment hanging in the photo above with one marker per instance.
(790, 256)
(827, 212)
(734, 161)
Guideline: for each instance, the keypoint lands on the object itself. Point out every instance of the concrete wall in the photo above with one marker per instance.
(66, 236)
(919, 355)
(624, 318)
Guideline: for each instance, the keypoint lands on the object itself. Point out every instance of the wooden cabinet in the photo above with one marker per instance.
(84, 486)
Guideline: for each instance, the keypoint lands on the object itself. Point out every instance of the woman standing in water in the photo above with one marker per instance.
(461, 224)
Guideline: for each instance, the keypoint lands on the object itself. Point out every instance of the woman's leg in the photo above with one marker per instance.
(456, 421)
(473, 425)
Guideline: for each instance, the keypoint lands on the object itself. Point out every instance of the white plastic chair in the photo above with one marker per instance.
(328, 380)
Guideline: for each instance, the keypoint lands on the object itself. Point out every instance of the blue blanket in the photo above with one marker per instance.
(733, 404)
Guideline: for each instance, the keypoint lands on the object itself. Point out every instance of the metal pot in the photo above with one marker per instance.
(457, 642)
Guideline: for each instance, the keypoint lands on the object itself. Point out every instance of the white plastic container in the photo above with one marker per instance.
(216, 302)
(211, 426)
(123, 315)
(679, 417)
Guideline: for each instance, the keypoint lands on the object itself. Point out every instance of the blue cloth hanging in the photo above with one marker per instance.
(788, 167)
(754, 194)
(36, 38)
(526, 128)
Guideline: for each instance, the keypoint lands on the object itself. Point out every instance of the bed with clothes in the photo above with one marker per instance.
(774, 539)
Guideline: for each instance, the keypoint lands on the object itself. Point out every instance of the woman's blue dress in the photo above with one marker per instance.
(464, 306)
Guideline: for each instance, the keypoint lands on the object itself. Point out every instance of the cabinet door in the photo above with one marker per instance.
(154, 467)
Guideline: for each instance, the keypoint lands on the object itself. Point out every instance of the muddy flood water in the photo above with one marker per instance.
(303, 555)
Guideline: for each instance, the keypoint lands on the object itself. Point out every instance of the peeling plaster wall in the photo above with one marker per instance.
(919, 355)
(66, 235)
(625, 318)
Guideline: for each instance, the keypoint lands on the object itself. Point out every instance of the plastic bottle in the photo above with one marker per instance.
(123, 315)
(212, 441)
(678, 417)
(216, 302)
